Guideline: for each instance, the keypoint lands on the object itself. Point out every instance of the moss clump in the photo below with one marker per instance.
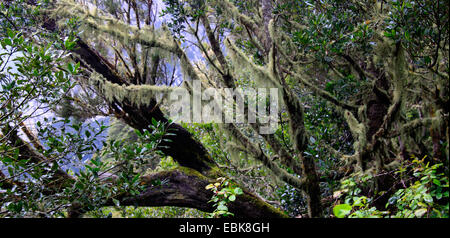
(136, 94)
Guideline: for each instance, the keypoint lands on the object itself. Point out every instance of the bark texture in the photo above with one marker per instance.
(186, 188)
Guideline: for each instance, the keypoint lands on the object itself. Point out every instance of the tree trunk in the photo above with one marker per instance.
(186, 188)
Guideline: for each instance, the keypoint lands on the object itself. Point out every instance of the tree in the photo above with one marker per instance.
(380, 68)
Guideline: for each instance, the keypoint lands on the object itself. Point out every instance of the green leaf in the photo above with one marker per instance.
(79, 185)
(428, 198)
(70, 67)
(437, 182)
(75, 126)
(359, 201)
(238, 191)
(7, 41)
(116, 202)
(10, 171)
(10, 33)
(420, 212)
(222, 208)
(69, 44)
(154, 122)
(87, 133)
(77, 65)
(342, 210)
(232, 198)
(135, 178)
(10, 85)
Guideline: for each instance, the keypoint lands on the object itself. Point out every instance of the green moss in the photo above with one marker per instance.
(259, 203)
(190, 172)
(215, 172)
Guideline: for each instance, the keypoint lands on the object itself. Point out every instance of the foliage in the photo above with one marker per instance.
(35, 76)
(362, 85)
(32, 77)
(420, 37)
(180, 12)
(291, 200)
(426, 196)
(355, 205)
(210, 136)
(224, 192)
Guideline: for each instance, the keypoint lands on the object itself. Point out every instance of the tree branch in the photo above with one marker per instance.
(186, 188)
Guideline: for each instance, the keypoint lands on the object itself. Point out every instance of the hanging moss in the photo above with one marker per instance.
(136, 94)
(99, 21)
(262, 76)
(358, 131)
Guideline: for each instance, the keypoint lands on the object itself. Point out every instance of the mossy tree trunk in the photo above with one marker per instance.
(186, 188)
(187, 185)
(382, 136)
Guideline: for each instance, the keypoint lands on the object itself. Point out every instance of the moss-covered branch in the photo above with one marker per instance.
(186, 188)
(136, 94)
